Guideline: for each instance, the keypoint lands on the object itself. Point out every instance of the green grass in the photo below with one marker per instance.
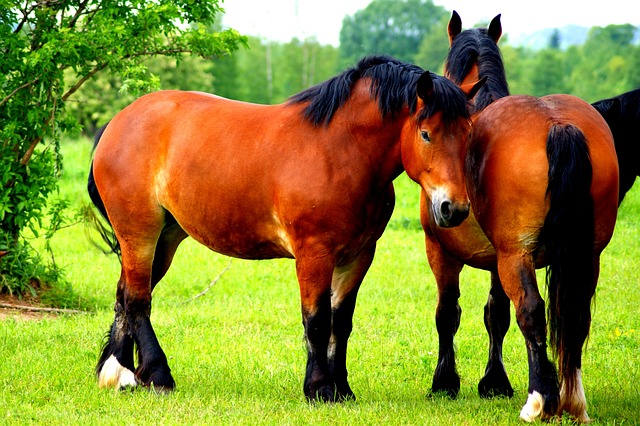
(238, 356)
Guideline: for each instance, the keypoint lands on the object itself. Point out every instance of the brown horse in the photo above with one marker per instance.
(542, 177)
(310, 179)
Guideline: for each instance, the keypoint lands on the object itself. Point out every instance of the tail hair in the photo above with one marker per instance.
(568, 242)
(102, 225)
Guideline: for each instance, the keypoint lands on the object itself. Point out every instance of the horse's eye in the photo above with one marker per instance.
(425, 136)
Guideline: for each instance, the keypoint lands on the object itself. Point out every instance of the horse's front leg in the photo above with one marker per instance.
(518, 278)
(446, 270)
(314, 276)
(344, 290)
(496, 320)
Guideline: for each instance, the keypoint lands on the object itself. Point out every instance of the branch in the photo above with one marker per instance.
(79, 13)
(80, 82)
(36, 141)
(203, 292)
(6, 99)
(25, 16)
(38, 309)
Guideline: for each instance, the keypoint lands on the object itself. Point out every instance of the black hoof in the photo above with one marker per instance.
(329, 393)
(448, 384)
(323, 393)
(158, 379)
(449, 393)
(495, 385)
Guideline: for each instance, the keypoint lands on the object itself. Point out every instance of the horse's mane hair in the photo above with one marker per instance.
(629, 103)
(476, 46)
(393, 85)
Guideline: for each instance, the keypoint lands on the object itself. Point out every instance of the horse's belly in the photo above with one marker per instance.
(246, 238)
(467, 243)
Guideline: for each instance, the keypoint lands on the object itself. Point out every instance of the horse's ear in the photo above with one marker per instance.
(472, 89)
(455, 26)
(495, 28)
(424, 88)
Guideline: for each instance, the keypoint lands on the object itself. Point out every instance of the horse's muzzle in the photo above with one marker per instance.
(448, 214)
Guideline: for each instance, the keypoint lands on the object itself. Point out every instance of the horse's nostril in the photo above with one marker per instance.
(445, 209)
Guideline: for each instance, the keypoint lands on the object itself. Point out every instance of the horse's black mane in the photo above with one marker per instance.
(393, 85)
(628, 105)
(622, 114)
(476, 46)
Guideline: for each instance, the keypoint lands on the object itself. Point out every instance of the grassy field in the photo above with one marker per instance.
(237, 352)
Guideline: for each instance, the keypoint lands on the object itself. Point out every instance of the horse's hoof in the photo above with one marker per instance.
(448, 384)
(324, 393)
(495, 385)
(158, 379)
(449, 393)
(114, 375)
(538, 407)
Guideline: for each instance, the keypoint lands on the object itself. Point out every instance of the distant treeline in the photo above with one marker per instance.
(606, 64)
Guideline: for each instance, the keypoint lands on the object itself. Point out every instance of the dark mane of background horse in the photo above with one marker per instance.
(622, 114)
(394, 86)
(474, 46)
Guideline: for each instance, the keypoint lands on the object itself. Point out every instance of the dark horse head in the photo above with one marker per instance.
(474, 55)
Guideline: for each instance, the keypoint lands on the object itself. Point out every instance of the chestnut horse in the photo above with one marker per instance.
(310, 179)
(622, 114)
(542, 177)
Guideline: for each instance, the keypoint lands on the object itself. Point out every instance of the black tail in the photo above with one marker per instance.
(568, 239)
(106, 232)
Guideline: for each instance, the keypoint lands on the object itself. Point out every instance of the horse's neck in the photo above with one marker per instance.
(376, 139)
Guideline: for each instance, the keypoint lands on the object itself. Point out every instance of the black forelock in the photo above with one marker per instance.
(476, 46)
(447, 98)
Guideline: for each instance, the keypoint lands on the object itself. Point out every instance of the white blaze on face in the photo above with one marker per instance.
(437, 196)
(114, 375)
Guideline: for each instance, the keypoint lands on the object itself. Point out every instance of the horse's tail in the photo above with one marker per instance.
(568, 243)
(106, 232)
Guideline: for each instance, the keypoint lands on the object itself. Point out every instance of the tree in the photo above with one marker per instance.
(604, 67)
(392, 27)
(434, 47)
(40, 41)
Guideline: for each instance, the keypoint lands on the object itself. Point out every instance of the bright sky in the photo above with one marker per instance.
(281, 20)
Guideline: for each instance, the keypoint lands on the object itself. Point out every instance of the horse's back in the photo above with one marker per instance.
(191, 154)
(509, 165)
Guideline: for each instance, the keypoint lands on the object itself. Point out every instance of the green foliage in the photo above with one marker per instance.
(389, 27)
(606, 65)
(41, 42)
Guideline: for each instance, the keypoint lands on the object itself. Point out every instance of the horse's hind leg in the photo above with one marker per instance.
(447, 274)
(518, 278)
(496, 320)
(572, 396)
(344, 291)
(116, 365)
(170, 238)
(139, 241)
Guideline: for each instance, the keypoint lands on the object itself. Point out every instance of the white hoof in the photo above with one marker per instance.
(114, 375)
(533, 408)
